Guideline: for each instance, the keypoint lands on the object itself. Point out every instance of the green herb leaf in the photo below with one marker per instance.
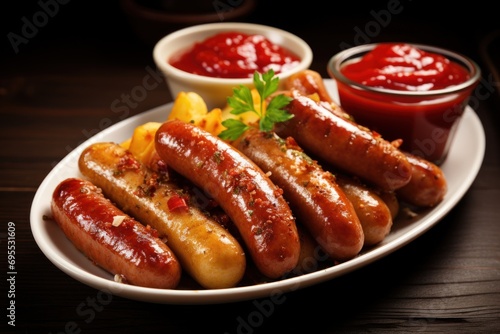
(242, 101)
(266, 86)
(279, 102)
(234, 129)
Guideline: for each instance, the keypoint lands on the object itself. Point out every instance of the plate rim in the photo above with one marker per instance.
(217, 296)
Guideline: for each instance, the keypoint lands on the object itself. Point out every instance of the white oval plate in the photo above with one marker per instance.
(461, 168)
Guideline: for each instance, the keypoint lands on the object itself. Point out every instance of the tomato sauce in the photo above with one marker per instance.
(405, 67)
(235, 55)
(425, 123)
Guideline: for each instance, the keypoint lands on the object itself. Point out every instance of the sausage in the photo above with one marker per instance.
(374, 214)
(317, 200)
(206, 251)
(392, 201)
(308, 82)
(255, 204)
(345, 145)
(428, 184)
(312, 256)
(112, 239)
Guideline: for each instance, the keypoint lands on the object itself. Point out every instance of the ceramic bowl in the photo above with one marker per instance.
(215, 90)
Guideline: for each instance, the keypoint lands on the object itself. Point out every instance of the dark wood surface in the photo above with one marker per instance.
(57, 89)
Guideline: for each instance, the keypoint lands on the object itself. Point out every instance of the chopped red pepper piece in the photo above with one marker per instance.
(176, 202)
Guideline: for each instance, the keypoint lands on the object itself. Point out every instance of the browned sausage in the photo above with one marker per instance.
(206, 251)
(428, 184)
(316, 199)
(312, 256)
(345, 145)
(308, 82)
(392, 201)
(112, 239)
(255, 204)
(374, 214)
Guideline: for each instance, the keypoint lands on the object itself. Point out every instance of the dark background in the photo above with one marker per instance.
(89, 27)
(90, 52)
(85, 37)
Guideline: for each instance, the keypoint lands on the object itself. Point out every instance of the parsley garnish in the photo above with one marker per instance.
(242, 101)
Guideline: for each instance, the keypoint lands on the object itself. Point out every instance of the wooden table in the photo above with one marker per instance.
(57, 90)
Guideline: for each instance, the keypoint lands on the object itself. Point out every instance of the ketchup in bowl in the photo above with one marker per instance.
(235, 55)
(411, 92)
(405, 67)
(203, 50)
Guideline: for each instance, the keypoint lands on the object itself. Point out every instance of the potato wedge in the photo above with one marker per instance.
(190, 107)
(142, 144)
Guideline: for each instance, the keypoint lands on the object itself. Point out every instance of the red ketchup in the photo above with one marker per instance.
(425, 123)
(235, 55)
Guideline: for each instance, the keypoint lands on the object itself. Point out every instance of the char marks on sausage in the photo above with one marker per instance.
(345, 145)
(255, 204)
(112, 239)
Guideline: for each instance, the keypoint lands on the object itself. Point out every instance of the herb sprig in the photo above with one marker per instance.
(242, 101)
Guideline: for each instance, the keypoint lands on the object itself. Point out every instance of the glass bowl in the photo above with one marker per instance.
(425, 120)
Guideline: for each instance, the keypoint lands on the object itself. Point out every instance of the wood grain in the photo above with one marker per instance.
(59, 89)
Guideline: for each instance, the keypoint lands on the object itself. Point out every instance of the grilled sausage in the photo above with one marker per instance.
(312, 256)
(255, 205)
(345, 145)
(427, 186)
(308, 82)
(316, 199)
(374, 214)
(112, 239)
(392, 201)
(206, 251)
